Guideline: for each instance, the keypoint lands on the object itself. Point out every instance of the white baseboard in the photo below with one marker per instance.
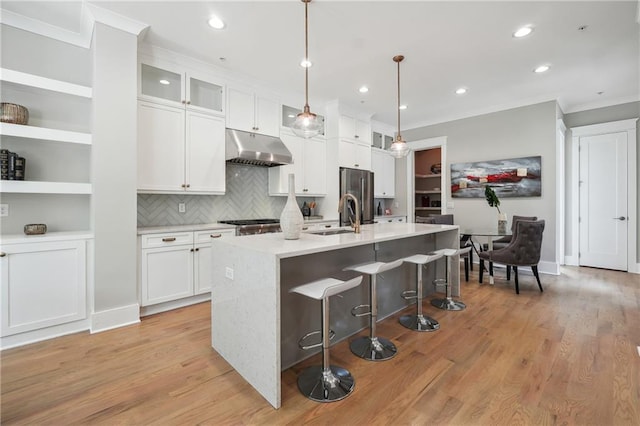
(114, 318)
(43, 334)
(571, 260)
(174, 304)
(634, 268)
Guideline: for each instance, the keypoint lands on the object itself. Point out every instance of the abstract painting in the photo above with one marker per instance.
(515, 177)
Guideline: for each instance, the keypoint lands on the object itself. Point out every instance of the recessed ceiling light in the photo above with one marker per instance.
(305, 63)
(523, 31)
(541, 69)
(402, 107)
(363, 89)
(165, 82)
(461, 91)
(215, 22)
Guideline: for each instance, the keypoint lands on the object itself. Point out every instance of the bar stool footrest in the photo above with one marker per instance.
(326, 386)
(355, 313)
(304, 347)
(409, 295)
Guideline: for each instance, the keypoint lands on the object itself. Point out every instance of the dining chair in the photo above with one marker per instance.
(502, 242)
(523, 250)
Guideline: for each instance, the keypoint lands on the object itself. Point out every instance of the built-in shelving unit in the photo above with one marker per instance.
(56, 143)
(428, 185)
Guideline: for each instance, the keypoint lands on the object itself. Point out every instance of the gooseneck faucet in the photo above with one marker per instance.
(355, 226)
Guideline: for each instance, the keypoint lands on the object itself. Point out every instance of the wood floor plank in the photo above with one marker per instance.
(565, 356)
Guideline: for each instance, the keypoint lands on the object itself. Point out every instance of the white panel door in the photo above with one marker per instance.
(240, 110)
(603, 201)
(267, 116)
(383, 167)
(43, 284)
(160, 147)
(205, 166)
(315, 167)
(346, 153)
(167, 274)
(363, 156)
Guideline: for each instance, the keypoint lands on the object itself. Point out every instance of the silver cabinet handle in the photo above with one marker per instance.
(215, 235)
(620, 218)
(168, 240)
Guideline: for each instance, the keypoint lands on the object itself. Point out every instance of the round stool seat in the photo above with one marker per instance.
(326, 287)
(423, 259)
(375, 267)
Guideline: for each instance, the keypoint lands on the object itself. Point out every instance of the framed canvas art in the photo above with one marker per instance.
(514, 177)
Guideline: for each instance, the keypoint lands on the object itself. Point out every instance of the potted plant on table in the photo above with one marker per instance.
(494, 201)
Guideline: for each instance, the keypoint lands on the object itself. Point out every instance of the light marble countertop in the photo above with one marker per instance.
(309, 243)
(182, 228)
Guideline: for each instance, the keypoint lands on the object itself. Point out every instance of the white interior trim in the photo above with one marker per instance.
(114, 318)
(41, 334)
(561, 130)
(421, 145)
(628, 126)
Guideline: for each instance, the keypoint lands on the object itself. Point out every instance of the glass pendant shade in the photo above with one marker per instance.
(399, 148)
(306, 124)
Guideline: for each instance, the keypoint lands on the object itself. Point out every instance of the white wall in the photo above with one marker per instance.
(520, 132)
(114, 167)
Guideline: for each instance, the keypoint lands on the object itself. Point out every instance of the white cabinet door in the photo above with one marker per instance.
(315, 167)
(384, 174)
(240, 110)
(267, 116)
(43, 284)
(363, 156)
(166, 274)
(363, 132)
(346, 153)
(347, 128)
(160, 147)
(205, 151)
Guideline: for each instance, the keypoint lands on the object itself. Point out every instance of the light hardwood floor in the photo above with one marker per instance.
(565, 356)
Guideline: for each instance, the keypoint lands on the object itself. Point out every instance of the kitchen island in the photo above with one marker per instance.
(256, 322)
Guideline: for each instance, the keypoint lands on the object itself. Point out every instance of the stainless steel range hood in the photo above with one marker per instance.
(256, 150)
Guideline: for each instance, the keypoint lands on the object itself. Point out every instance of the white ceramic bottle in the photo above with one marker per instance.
(291, 219)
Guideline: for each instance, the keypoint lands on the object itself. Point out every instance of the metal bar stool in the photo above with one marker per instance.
(419, 322)
(372, 347)
(326, 383)
(448, 304)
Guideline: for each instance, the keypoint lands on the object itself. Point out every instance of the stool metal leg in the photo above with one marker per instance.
(327, 383)
(373, 348)
(419, 322)
(448, 304)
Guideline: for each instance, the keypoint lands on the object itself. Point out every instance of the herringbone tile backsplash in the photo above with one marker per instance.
(247, 197)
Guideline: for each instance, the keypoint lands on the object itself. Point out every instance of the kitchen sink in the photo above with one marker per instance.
(332, 231)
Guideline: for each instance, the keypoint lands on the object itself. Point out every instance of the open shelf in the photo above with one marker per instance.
(36, 187)
(429, 208)
(420, 191)
(43, 133)
(37, 82)
(428, 176)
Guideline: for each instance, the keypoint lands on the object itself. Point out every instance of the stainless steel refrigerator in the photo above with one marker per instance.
(358, 183)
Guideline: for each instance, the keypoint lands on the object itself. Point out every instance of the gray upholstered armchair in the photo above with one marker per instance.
(502, 242)
(523, 250)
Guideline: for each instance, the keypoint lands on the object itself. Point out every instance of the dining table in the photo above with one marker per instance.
(485, 232)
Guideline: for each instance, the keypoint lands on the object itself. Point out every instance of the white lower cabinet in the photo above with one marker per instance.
(176, 265)
(44, 284)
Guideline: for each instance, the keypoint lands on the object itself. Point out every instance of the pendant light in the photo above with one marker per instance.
(306, 123)
(398, 148)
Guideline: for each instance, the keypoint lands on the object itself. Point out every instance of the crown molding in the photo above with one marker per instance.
(89, 15)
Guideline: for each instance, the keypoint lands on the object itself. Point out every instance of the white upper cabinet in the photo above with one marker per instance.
(175, 86)
(180, 150)
(383, 167)
(355, 129)
(251, 112)
(309, 167)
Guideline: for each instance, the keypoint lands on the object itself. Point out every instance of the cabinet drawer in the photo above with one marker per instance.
(168, 239)
(207, 236)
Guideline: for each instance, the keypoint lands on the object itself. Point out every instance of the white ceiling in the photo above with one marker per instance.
(446, 45)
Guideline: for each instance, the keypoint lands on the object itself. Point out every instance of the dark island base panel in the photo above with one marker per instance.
(301, 315)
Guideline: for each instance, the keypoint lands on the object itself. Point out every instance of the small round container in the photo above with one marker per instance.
(35, 229)
(13, 113)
